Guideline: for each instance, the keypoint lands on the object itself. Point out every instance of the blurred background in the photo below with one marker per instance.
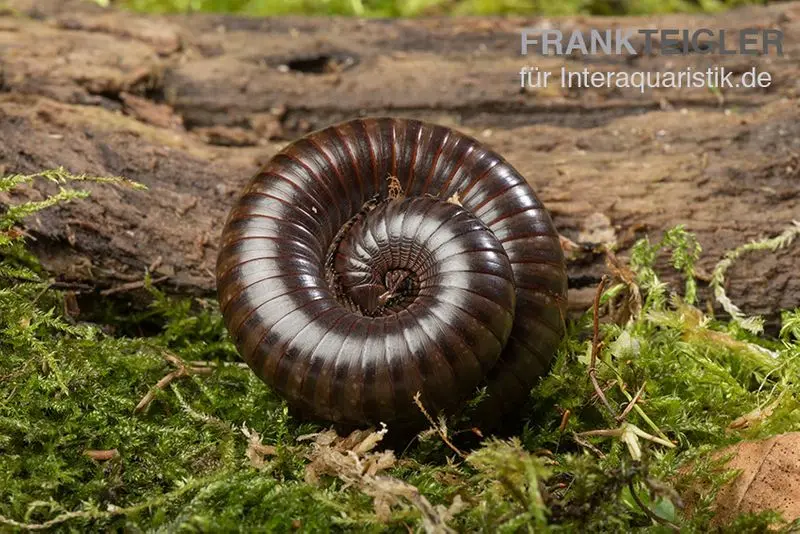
(410, 8)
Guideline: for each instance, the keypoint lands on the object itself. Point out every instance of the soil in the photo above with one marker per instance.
(192, 105)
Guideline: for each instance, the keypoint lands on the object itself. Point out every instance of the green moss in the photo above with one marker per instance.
(68, 390)
(402, 8)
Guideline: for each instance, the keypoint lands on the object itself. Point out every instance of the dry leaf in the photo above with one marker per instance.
(353, 461)
(256, 451)
(770, 470)
(768, 479)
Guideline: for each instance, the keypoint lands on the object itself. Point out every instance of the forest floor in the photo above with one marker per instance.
(190, 106)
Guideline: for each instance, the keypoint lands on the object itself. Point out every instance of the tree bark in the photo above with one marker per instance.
(192, 105)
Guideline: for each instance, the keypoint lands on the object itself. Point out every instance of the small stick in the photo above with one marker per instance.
(436, 426)
(564, 420)
(156, 264)
(630, 405)
(70, 286)
(588, 445)
(181, 371)
(208, 363)
(130, 286)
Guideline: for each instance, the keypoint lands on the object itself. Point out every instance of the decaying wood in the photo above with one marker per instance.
(192, 105)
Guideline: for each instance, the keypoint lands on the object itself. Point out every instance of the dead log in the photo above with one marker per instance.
(192, 105)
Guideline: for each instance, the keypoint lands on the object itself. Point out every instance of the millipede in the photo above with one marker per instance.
(381, 258)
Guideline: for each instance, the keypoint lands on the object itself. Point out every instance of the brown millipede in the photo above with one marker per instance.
(349, 283)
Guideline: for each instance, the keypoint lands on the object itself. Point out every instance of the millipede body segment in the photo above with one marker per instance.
(349, 298)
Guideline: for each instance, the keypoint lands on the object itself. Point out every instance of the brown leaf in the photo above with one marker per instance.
(351, 460)
(769, 471)
(256, 451)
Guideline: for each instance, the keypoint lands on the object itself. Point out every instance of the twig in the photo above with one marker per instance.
(131, 286)
(438, 427)
(621, 417)
(638, 408)
(181, 371)
(588, 445)
(208, 363)
(564, 420)
(596, 346)
(160, 386)
(156, 264)
(74, 286)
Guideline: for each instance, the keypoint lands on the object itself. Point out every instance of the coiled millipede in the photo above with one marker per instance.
(381, 257)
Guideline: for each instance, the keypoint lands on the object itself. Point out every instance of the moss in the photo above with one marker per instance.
(397, 8)
(80, 449)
